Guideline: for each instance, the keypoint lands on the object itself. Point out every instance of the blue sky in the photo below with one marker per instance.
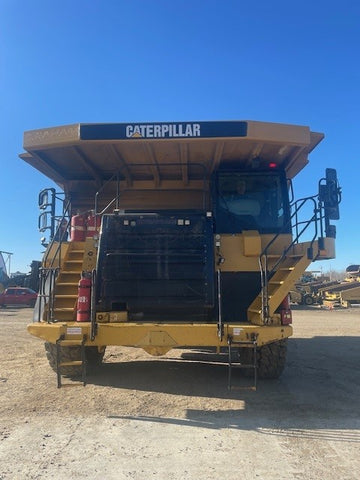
(67, 61)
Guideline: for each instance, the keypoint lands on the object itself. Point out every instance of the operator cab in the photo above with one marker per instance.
(248, 200)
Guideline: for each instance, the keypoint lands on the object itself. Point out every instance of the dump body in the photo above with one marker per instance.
(186, 229)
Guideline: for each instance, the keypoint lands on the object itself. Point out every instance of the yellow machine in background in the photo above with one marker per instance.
(344, 293)
(182, 235)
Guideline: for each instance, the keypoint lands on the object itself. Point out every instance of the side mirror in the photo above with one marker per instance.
(43, 201)
(330, 195)
(43, 222)
(46, 198)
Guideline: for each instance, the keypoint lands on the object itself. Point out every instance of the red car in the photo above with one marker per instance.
(18, 296)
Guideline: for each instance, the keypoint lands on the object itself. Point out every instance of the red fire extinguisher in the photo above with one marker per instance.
(84, 298)
(92, 224)
(77, 231)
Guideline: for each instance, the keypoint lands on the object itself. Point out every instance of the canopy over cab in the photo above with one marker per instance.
(155, 157)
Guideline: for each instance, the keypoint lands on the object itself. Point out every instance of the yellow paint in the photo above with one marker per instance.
(51, 252)
(162, 337)
(241, 251)
(252, 243)
(156, 351)
(90, 252)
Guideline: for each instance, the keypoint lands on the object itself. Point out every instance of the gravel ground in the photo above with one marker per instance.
(172, 417)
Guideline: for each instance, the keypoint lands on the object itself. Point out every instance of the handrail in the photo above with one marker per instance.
(115, 199)
(92, 306)
(46, 292)
(265, 273)
(49, 273)
(58, 236)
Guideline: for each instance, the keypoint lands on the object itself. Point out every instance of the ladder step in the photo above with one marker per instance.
(243, 365)
(65, 296)
(254, 310)
(62, 341)
(252, 346)
(259, 297)
(74, 363)
(70, 343)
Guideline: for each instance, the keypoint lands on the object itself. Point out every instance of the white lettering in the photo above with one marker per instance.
(196, 130)
(162, 131)
(188, 130)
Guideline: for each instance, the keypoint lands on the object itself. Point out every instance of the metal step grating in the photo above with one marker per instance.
(62, 341)
(239, 364)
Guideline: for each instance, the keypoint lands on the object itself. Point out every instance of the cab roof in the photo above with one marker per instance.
(94, 152)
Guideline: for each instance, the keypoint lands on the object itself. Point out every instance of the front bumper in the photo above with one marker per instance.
(158, 338)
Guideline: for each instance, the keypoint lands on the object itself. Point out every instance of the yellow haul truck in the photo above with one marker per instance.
(182, 235)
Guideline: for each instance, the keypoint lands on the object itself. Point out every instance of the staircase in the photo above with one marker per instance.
(290, 267)
(66, 287)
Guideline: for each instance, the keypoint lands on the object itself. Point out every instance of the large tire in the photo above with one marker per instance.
(270, 359)
(308, 300)
(93, 358)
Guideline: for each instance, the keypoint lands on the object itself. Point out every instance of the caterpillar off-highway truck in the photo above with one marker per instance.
(182, 234)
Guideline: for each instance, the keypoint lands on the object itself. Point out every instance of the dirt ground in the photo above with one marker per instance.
(172, 417)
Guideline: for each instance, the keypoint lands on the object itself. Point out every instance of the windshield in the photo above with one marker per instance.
(253, 201)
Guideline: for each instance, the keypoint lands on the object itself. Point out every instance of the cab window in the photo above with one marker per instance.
(251, 202)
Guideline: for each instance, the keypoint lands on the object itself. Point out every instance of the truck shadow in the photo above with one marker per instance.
(327, 363)
(327, 429)
(317, 397)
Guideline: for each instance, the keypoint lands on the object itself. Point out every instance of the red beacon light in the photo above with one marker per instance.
(272, 165)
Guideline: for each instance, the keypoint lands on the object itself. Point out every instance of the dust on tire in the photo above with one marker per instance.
(270, 359)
